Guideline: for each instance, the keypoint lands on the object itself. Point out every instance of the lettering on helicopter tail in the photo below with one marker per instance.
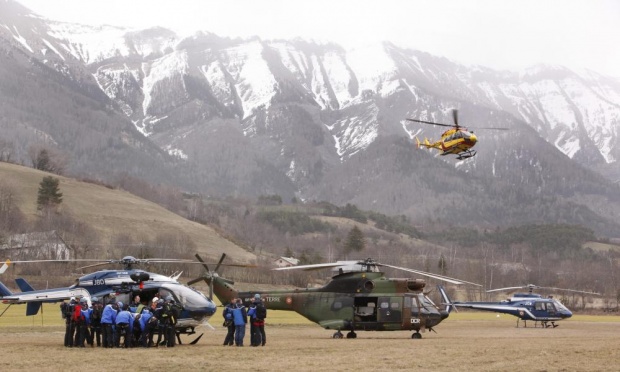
(98, 281)
(415, 321)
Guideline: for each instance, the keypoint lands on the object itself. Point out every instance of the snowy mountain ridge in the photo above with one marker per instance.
(575, 113)
(249, 117)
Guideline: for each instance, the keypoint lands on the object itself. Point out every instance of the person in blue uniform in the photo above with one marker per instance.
(240, 318)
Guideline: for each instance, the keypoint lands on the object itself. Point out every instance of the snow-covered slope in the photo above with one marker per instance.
(287, 116)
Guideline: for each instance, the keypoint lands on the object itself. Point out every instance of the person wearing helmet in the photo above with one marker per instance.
(145, 317)
(79, 323)
(124, 326)
(257, 314)
(67, 309)
(162, 324)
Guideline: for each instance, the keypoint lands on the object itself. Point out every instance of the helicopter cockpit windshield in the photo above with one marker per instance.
(559, 306)
(187, 297)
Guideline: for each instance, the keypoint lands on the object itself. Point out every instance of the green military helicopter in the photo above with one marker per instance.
(358, 298)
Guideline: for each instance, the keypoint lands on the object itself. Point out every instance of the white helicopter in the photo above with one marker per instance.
(124, 285)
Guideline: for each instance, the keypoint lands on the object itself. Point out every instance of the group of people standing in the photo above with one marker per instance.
(236, 317)
(136, 323)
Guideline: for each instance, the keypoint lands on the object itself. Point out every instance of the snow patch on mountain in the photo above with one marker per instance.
(338, 76)
(90, 44)
(178, 153)
(50, 46)
(220, 86)
(17, 36)
(372, 65)
(252, 78)
(161, 71)
(353, 134)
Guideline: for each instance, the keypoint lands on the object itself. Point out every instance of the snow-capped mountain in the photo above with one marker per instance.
(295, 118)
(578, 114)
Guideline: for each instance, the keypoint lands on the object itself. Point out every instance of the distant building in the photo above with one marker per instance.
(286, 262)
(45, 245)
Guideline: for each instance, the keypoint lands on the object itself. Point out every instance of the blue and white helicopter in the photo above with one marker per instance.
(527, 306)
(123, 285)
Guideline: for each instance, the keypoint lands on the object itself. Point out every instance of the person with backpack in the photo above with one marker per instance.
(257, 313)
(79, 323)
(67, 309)
(95, 321)
(229, 323)
(124, 326)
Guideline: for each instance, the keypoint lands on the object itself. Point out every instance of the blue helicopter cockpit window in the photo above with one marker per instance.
(559, 306)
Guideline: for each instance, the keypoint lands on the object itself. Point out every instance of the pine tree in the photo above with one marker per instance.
(355, 240)
(442, 265)
(42, 162)
(49, 193)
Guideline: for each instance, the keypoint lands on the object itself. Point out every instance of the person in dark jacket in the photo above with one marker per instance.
(96, 312)
(257, 314)
(66, 309)
(229, 323)
(79, 323)
(86, 336)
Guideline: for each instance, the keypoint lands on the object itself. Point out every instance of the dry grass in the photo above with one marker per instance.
(114, 212)
(602, 247)
(466, 341)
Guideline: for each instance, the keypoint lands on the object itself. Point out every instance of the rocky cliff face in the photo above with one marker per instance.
(290, 117)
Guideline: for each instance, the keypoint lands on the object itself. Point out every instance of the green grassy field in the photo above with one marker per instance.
(50, 317)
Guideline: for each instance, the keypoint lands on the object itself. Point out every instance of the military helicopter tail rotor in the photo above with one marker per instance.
(219, 263)
(209, 275)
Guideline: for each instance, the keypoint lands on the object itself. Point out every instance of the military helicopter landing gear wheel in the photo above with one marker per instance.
(416, 335)
(351, 335)
(338, 335)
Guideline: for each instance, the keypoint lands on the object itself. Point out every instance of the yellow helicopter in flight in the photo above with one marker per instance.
(457, 140)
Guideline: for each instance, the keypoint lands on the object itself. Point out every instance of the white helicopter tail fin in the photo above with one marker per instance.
(446, 300)
(5, 266)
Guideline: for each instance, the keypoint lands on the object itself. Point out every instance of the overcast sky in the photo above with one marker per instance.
(502, 34)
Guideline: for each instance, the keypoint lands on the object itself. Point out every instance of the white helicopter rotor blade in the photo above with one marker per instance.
(434, 276)
(506, 289)
(317, 266)
(573, 290)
